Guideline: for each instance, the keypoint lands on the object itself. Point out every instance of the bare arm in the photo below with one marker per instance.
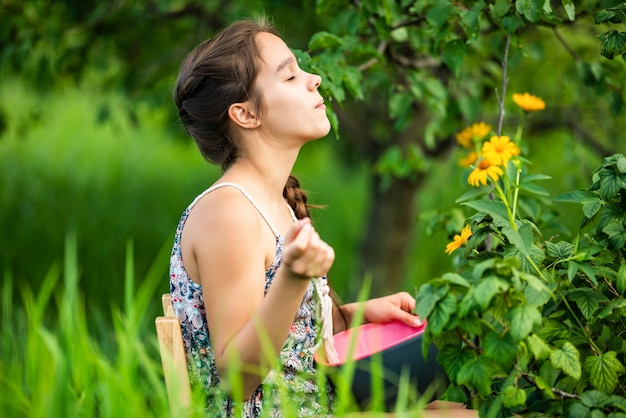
(397, 306)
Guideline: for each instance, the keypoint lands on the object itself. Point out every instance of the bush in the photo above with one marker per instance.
(532, 322)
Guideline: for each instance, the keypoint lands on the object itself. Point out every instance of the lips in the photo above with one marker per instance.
(320, 105)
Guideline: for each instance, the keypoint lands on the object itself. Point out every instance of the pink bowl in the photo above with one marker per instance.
(372, 338)
(395, 346)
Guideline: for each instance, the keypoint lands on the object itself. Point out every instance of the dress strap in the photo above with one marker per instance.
(247, 195)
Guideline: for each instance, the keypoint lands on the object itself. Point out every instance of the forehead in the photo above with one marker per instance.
(274, 51)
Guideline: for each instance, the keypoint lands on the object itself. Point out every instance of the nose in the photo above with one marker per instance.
(317, 80)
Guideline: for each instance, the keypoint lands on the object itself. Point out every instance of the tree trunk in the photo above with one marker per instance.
(388, 233)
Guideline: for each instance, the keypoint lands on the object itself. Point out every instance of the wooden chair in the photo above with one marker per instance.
(173, 358)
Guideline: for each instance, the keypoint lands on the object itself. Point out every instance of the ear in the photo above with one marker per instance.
(242, 115)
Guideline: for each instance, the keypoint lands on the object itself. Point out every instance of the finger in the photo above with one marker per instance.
(299, 243)
(323, 260)
(407, 302)
(409, 319)
(296, 229)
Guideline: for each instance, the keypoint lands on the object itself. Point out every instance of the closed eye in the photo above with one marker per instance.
(293, 77)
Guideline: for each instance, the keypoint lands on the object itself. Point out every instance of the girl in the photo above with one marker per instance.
(248, 268)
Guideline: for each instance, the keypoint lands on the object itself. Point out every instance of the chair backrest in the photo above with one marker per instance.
(173, 358)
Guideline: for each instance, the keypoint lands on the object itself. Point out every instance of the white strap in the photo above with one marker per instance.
(247, 195)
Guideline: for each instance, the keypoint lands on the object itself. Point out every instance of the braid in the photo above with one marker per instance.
(296, 197)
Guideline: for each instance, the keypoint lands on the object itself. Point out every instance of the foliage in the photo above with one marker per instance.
(532, 323)
(136, 45)
(401, 77)
(613, 42)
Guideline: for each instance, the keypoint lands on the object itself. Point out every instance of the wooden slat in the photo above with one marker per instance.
(173, 359)
(166, 302)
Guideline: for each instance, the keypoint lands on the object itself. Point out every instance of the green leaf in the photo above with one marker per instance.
(620, 160)
(514, 396)
(560, 250)
(522, 238)
(594, 399)
(500, 8)
(477, 373)
(591, 206)
(456, 279)
(493, 208)
(501, 349)
(603, 371)
(440, 315)
(606, 15)
(531, 9)
(544, 386)
(538, 347)
(487, 289)
(324, 40)
(400, 104)
(533, 189)
(536, 256)
(620, 280)
(610, 179)
(588, 300)
(535, 177)
(570, 9)
(614, 305)
(452, 358)
(617, 235)
(426, 299)
(589, 271)
(471, 19)
(612, 43)
(577, 410)
(353, 80)
(522, 321)
(440, 13)
(454, 54)
(572, 270)
(567, 359)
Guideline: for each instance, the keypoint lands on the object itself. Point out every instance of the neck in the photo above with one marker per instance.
(265, 174)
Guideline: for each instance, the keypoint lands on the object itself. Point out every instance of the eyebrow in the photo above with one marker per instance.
(285, 63)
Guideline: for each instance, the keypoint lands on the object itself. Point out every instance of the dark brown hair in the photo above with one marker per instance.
(217, 73)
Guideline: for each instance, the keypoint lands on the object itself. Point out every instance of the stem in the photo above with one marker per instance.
(516, 192)
(504, 200)
(505, 82)
(594, 347)
(559, 392)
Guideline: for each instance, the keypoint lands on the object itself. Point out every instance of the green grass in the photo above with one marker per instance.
(54, 363)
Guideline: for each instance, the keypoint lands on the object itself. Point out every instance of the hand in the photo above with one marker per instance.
(305, 255)
(392, 307)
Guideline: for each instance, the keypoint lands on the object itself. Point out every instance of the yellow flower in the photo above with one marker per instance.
(484, 169)
(499, 150)
(528, 102)
(472, 133)
(459, 240)
(470, 159)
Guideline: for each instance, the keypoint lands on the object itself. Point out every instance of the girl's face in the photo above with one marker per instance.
(293, 109)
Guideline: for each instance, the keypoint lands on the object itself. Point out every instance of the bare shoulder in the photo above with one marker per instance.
(224, 209)
(223, 238)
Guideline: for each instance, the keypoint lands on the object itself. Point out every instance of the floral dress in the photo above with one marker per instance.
(294, 385)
